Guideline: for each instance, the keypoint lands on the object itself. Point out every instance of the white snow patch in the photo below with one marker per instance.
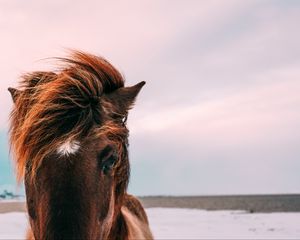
(167, 223)
(172, 223)
(69, 147)
(13, 225)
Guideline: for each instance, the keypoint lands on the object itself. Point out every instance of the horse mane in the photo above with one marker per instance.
(54, 107)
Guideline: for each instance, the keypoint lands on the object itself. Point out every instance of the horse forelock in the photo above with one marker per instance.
(55, 108)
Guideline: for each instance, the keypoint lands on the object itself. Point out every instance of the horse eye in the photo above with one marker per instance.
(105, 153)
(108, 164)
(107, 159)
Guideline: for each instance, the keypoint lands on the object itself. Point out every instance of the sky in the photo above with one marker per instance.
(220, 113)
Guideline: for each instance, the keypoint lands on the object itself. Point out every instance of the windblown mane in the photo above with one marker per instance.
(54, 107)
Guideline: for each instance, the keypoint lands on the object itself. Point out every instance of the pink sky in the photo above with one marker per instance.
(221, 109)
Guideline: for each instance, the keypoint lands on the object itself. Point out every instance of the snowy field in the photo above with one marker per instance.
(172, 223)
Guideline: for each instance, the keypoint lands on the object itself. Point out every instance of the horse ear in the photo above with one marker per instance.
(14, 93)
(123, 98)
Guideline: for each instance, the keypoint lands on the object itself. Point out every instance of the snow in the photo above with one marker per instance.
(13, 225)
(173, 223)
(167, 223)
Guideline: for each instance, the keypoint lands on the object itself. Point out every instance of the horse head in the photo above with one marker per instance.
(69, 139)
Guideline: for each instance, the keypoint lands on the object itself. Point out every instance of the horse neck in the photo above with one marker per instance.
(131, 221)
(119, 228)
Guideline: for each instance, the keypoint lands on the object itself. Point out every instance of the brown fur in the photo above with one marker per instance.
(81, 195)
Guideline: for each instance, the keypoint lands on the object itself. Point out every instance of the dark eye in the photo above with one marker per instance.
(108, 164)
(107, 159)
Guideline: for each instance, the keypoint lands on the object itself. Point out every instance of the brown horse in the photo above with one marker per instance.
(69, 139)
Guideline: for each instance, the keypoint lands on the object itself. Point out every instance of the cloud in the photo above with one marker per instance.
(220, 110)
(275, 94)
(131, 36)
(241, 142)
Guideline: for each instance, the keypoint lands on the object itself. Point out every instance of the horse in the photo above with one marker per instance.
(69, 139)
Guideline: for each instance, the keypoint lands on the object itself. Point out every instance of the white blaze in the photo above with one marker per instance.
(69, 147)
